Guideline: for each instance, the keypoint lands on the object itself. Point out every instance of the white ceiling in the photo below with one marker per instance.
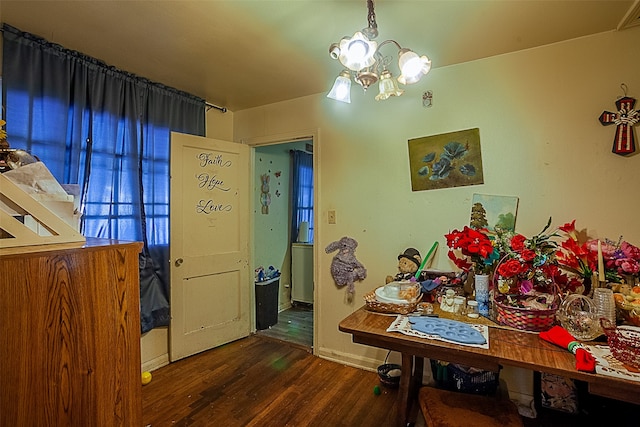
(245, 53)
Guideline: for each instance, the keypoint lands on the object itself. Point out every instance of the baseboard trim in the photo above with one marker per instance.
(348, 359)
(156, 363)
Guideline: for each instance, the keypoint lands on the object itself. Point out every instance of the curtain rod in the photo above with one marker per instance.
(210, 106)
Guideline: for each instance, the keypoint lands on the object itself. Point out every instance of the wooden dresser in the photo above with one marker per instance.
(70, 335)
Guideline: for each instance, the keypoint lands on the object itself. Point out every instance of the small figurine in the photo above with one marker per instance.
(448, 300)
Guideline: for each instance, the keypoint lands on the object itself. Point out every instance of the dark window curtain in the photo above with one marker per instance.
(107, 131)
(301, 192)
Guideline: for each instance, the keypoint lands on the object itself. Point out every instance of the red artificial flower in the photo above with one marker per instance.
(627, 266)
(511, 268)
(473, 244)
(528, 255)
(561, 280)
(570, 229)
(630, 251)
(461, 263)
(517, 242)
(575, 256)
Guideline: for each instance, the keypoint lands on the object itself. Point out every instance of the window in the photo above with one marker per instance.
(302, 192)
(107, 131)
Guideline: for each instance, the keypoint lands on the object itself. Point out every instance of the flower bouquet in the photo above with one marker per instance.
(527, 280)
(621, 259)
(623, 262)
(576, 259)
(474, 250)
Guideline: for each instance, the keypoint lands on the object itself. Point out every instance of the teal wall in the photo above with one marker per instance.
(271, 230)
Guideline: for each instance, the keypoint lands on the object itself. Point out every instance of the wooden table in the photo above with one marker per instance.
(506, 347)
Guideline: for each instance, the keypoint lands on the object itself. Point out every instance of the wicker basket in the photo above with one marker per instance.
(629, 312)
(391, 381)
(523, 318)
(373, 304)
(454, 377)
(624, 342)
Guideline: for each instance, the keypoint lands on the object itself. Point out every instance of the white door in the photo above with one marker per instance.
(209, 250)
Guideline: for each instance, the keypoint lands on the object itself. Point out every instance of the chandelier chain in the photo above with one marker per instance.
(371, 16)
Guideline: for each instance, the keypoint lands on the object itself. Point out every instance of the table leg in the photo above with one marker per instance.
(418, 372)
(405, 391)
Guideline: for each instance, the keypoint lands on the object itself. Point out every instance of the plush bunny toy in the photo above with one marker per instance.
(345, 268)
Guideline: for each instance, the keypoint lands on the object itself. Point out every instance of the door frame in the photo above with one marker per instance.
(263, 141)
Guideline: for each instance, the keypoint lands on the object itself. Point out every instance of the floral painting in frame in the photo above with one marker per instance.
(447, 160)
(492, 212)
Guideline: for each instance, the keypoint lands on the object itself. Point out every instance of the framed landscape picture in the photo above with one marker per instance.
(447, 160)
(493, 212)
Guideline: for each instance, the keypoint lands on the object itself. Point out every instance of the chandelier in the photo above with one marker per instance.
(364, 62)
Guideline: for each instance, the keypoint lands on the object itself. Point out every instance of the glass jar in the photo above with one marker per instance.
(472, 309)
(459, 305)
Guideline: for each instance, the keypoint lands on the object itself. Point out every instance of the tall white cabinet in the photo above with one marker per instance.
(302, 272)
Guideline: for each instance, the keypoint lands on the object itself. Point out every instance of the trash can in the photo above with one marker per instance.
(267, 303)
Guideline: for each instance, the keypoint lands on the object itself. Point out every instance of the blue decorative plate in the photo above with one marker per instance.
(452, 330)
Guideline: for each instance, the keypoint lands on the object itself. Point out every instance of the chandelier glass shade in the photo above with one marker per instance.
(357, 52)
(341, 90)
(362, 59)
(388, 87)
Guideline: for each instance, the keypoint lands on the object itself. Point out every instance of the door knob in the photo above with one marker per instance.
(179, 262)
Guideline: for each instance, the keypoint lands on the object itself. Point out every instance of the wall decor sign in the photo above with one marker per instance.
(624, 119)
(447, 160)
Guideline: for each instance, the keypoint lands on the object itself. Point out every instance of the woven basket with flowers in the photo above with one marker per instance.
(527, 280)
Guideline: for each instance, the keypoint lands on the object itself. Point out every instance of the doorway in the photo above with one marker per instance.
(279, 248)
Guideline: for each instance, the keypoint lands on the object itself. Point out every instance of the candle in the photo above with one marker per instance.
(600, 263)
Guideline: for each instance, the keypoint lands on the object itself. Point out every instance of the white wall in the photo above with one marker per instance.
(537, 111)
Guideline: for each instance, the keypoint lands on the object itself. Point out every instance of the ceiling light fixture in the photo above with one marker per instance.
(361, 56)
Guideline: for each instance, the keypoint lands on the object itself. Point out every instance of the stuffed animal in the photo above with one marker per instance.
(345, 268)
(408, 264)
(265, 197)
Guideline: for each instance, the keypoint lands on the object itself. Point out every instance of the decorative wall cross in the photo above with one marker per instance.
(626, 117)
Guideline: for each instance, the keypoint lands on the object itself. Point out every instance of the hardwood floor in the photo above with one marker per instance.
(295, 326)
(263, 382)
